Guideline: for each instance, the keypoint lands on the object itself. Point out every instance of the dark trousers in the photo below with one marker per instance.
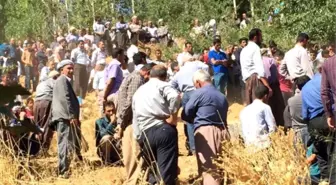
(277, 104)
(250, 85)
(42, 116)
(160, 151)
(323, 141)
(188, 127)
(29, 76)
(68, 142)
(81, 80)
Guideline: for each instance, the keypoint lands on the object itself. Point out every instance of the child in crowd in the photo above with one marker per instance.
(286, 85)
(30, 108)
(99, 83)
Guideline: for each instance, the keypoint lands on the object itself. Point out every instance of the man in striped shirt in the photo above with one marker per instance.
(124, 117)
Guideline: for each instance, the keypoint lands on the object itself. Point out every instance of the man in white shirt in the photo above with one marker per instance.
(155, 105)
(131, 51)
(152, 29)
(98, 54)
(257, 121)
(186, 55)
(98, 29)
(297, 62)
(81, 60)
(252, 66)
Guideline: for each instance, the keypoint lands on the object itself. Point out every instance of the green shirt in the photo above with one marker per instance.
(104, 127)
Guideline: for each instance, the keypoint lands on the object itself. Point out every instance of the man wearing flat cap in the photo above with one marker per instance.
(65, 115)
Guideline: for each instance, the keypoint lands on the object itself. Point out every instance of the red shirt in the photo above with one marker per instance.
(285, 84)
(29, 114)
(206, 58)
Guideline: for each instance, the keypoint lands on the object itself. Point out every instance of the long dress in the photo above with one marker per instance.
(122, 37)
(162, 33)
(135, 31)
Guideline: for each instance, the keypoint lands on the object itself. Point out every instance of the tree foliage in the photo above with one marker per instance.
(43, 17)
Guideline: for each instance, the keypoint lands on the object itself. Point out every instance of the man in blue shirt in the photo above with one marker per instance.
(218, 60)
(105, 129)
(311, 98)
(207, 111)
(314, 115)
(183, 83)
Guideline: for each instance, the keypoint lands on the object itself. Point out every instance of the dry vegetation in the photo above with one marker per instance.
(279, 165)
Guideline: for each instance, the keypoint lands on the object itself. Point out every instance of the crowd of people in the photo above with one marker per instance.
(139, 97)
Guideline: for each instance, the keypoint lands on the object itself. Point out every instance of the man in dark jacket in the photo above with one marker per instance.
(65, 111)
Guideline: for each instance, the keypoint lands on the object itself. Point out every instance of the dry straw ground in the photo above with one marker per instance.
(279, 165)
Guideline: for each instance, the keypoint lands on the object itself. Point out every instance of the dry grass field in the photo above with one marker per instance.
(279, 165)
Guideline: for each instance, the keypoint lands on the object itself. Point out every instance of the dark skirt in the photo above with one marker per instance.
(250, 85)
(277, 104)
(122, 40)
(42, 117)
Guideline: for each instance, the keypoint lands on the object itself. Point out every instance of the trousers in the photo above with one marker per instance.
(80, 80)
(208, 140)
(108, 150)
(160, 152)
(69, 141)
(131, 157)
(188, 127)
(42, 115)
(220, 81)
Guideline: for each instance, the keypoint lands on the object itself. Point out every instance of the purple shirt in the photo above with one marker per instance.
(328, 84)
(71, 38)
(113, 70)
(271, 72)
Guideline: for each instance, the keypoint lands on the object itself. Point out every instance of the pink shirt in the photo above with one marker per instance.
(285, 84)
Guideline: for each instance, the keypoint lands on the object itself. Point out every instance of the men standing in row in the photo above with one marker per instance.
(98, 54)
(219, 63)
(29, 61)
(65, 114)
(81, 60)
(207, 110)
(60, 50)
(296, 62)
(127, 89)
(113, 76)
(252, 67)
(155, 105)
(186, 54)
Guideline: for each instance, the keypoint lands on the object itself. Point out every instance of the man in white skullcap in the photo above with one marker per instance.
(65, 116)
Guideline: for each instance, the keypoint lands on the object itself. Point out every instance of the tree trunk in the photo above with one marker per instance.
(252, 8)
(133, 7)
(235, 8)
(3, 20)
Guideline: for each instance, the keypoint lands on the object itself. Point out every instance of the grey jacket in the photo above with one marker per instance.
(65, 104)
(44, 90)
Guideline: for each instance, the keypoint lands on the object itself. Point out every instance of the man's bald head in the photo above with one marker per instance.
(159, 71)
